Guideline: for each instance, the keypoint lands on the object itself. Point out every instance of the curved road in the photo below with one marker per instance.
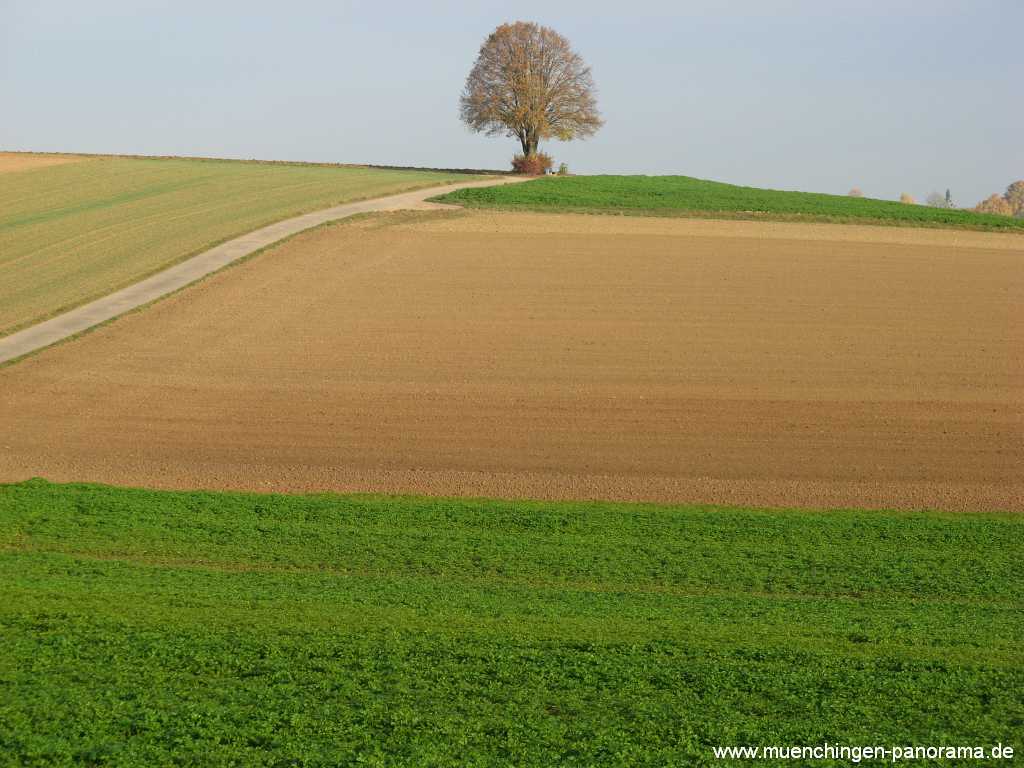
(174, 278)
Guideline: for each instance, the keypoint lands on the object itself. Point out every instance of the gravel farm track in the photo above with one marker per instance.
(559, 356)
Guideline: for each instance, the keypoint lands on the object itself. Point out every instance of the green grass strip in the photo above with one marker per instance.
(686, 196)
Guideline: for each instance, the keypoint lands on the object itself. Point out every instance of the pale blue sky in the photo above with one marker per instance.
(887, 95)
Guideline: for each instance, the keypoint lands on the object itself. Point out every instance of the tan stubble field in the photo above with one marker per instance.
(12, 162)
(544, 356)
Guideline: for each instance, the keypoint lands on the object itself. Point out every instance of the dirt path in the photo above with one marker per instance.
(549, 356)
(174, 278)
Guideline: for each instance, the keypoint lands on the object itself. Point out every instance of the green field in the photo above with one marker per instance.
(157, 628)
(685, 196)
(72, 233)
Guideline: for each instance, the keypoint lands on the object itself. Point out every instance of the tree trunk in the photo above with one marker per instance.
(529, 144)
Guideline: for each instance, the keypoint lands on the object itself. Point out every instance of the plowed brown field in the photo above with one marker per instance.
(559, 357)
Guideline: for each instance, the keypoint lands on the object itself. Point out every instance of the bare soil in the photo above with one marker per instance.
(24, 161)
(543, 356)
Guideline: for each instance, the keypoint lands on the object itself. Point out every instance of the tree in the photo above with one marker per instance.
(855, 192)
(996, 204)
(949, 199)
(907, 198)
(1015, 197)
(936, 200)
(527, 82)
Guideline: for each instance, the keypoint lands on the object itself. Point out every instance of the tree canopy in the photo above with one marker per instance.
(527, 82)
(1015, 197)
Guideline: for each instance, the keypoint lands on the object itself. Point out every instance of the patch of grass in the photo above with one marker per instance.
(159, 628)
(686, 196)
(72, 233)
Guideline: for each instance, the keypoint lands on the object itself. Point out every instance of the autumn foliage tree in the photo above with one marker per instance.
(1009, 204)
(527, 82)
(1015, 197)
(995, 204)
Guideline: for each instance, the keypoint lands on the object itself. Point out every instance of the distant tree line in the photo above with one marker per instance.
(1010, 203)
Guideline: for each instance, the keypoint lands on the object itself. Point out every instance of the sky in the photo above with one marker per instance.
(889, 96)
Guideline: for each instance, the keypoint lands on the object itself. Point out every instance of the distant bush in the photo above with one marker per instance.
(563, 170)
(995, 204)
(1009, 204)
(907, 199)
(536, 164)
(855, 192)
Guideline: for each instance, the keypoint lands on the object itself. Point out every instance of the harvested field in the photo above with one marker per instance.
(548, 356)
(10, 162)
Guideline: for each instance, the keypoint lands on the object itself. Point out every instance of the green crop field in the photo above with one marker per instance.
(685, 196)
(152, 628)
(71, 233)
